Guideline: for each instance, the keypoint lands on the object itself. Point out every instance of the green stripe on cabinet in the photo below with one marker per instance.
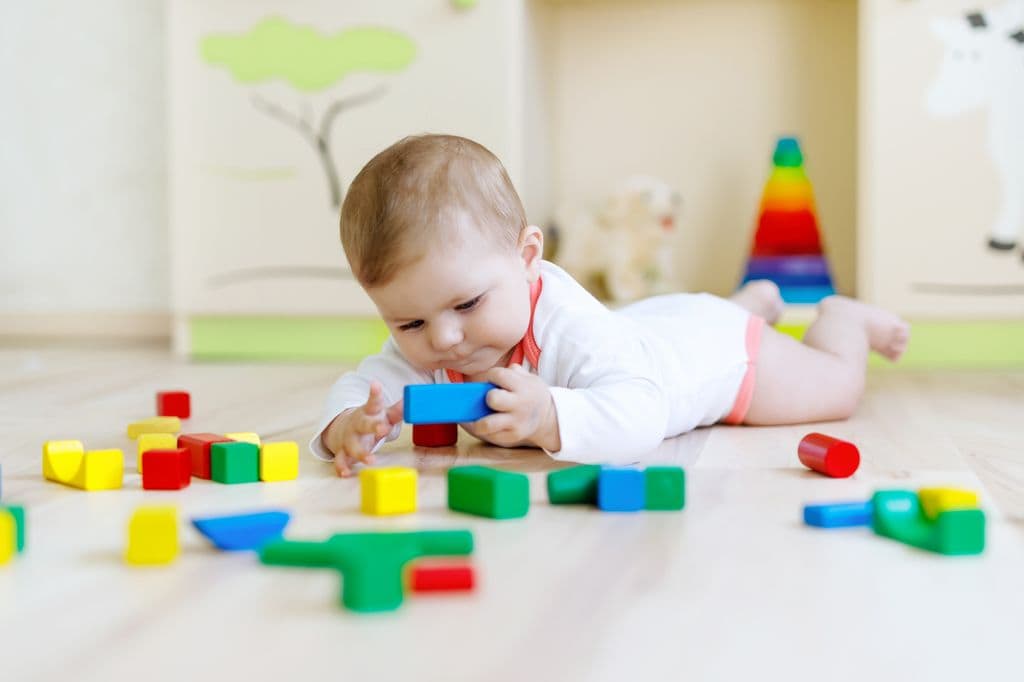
(285, 338)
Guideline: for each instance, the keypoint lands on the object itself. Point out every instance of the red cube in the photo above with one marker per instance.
(435, 435)
(430, 577)
(198, 446)
(166, 469)
(173, 404)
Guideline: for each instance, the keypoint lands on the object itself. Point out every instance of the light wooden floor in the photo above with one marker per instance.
(733, 588)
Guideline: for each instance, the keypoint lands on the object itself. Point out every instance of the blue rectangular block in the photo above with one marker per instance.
(839, 515)
(621, 490)
(446, 403)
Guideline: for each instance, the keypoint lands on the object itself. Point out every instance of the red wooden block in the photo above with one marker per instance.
(435, 435)
(424, 577)
(166, 469)
(828, 455)
(198, 445)
(173, 404)
(786, 233)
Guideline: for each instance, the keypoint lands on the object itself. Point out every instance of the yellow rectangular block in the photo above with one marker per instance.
(279, 461)
(244, 437)
(100, 470)
(936, 500)
(62, 459)
(154, 425)
(154, 441)
(388, 490)
(152, 536)
(8, 536)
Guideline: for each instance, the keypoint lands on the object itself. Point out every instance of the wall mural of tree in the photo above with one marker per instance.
(310, 62)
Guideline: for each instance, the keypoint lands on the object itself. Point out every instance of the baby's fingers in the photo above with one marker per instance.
(375, 401)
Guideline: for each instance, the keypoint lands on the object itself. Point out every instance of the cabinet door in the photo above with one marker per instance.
(276, 105)
(942, 157)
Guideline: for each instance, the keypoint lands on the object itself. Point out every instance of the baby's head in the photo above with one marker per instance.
(436, 234)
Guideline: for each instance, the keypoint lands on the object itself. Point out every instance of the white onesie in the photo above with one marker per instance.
(622, 381)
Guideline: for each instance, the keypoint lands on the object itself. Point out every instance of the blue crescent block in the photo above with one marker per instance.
(621, 489)
(838, 515)
(446, 403)
(243, 531)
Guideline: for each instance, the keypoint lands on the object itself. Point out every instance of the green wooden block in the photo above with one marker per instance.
(664, 488)
(235, 462)
(959, 532)
(488, 492)
(897, 514)
(371, 564)
(18, 512)
(575, 485)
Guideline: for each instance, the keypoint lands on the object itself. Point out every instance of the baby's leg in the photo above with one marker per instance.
(822, 378)
(762, 298)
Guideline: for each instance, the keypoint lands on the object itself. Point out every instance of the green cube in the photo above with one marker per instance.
(235, 462)
(959, 532)
(488, 492)
(18, 512)
(575, 485)
(664, 488)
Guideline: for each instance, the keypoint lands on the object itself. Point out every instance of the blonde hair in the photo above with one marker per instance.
(415, 191)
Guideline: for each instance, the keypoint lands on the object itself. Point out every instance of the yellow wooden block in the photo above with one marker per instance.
(62, 459)
(8, 536)
(244, 437)
(154, 425)
(154, 441)
(279, 461)
(100, 470)
(152, 536)
(388, 490)
(935, 500)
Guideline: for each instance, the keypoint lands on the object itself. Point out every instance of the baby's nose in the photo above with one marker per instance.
(446, 336)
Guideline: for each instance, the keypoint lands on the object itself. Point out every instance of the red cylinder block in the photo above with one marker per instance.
(828, 455)
(435, 435)
(440, 577)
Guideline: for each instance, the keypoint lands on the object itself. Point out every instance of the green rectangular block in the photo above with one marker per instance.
(483, 491)
(897, 514)
(235, 462)
(959, 532)
(664, 488)
(18, 512)
(575, 485)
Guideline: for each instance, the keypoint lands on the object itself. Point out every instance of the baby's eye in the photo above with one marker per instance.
(469, 305)
(409, 326)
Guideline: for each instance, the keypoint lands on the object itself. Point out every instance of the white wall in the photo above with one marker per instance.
(83, 224)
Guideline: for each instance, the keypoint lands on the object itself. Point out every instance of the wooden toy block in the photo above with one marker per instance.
(154, 425)
(279, 461)
(937, 500)
(153, 441)
(169, 469)
(827, 455)
(371, 564)
(234, 462)
(198, 446)
(483, 491)
(897, 514)
(435, 435)
(100, 470)
(664, 488)
(430, 577)
(18, 512)
(245, 437)
(62, 459)
(575, 485)
(388, 490)
(152, 536)
(620, 490)
(8, 536)
(445, 403)
(174, 404)
(243, 531)
(838, 515)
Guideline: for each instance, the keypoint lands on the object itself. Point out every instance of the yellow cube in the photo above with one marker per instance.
(100, 470)
(152, 536)
(62, 459)
(936, 500)
(154, 425)
(154, 441)
(8, 536)
(388, 490)
(245, 437)
(279, 461)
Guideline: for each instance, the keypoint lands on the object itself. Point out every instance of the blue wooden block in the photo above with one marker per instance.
(446, 403)
(839, 515)
(243, 531)
(621, 489)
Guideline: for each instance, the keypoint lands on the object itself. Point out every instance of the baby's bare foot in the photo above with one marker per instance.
(888, 334)
(762, 298)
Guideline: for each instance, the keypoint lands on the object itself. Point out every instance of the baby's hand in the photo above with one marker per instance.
(353, 434)
(524, 411)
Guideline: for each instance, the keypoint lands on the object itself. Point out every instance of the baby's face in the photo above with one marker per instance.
(462, 306)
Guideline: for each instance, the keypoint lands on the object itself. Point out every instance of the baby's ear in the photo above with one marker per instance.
(531, 249)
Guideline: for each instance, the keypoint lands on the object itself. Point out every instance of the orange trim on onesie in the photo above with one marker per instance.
(755, 328)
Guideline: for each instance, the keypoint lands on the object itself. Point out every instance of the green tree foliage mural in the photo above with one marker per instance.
(310, 62)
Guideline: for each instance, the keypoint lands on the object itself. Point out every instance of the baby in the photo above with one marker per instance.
(436, 234)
